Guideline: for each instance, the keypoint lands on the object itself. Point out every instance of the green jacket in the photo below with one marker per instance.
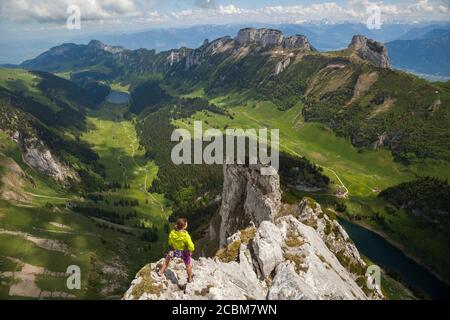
(181, 240)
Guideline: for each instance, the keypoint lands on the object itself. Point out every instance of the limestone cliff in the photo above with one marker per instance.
(269, 38)
(247, 197)
(371, 51)
(208, 49)
(261, 38)
(269, 250)
(35, 153)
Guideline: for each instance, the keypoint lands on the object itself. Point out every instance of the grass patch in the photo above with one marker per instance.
(297, 260)
(230, 252)
(293, 240)
(146, 285)
(248, 235)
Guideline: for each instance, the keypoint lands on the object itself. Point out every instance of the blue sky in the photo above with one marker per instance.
(47, 17)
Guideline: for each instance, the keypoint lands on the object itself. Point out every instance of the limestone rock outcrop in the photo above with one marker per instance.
(208, 49)
(41, 159)
(371, 51)
(101, 46)
(269, 38)
(35, 152)
(261, 38)
(247, 197)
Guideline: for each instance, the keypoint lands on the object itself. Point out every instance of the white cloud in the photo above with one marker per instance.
(443, 9)
(55, 11)
(211, 11)
(230, 9)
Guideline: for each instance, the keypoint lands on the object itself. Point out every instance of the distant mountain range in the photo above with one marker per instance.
(429, 53)
(323, 36)
(223, 65)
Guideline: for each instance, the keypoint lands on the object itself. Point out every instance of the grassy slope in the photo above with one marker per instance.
(25, 82)
(364, 174)
(89, 246)
(84, 240)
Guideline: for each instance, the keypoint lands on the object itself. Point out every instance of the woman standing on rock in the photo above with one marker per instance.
(181, 246)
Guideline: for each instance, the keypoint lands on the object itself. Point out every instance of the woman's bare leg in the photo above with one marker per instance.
(189, 272)
(164, 266)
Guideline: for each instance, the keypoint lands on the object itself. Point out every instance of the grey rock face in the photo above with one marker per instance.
(260, 37)
(42, 160)
(267, 248)
(282, 65)
(284, 256)
(247, 197)
(208, 49)
(287, 285)
(371, 50)
(269, 38)
(331, 232)
(35, 152)
(308, 270)
(297, 42)
(316, 265)
(101, 46)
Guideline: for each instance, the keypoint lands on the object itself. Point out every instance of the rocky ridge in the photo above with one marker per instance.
(280, 251)
(261, 38)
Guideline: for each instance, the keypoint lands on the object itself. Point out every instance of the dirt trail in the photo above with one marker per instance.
(133, 142)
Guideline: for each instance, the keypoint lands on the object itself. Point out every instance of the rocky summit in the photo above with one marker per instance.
(281, 252)
(270, 38)
(371, 51)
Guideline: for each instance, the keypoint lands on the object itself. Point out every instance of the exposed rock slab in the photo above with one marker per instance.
(268, 267)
